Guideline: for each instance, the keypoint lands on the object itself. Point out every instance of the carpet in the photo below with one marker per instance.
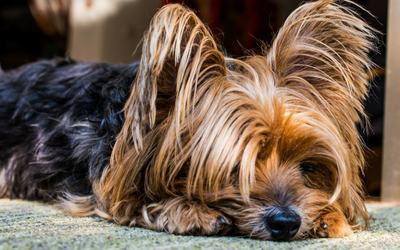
(33, 225)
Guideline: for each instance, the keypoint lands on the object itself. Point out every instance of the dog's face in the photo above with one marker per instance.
(265, 147)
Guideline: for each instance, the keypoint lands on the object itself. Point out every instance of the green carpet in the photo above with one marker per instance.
(32, 225)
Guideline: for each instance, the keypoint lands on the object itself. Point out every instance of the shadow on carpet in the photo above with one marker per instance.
(32, 225)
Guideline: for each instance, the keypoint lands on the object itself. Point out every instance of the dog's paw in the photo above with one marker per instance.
(191, 218)
(331, 225)
(205, 221)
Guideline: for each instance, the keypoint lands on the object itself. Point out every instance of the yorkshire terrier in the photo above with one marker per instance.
(193, 142)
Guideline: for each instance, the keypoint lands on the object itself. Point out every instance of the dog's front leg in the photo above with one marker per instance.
(182, 216)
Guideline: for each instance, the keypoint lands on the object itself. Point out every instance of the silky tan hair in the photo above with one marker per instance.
(208, 136)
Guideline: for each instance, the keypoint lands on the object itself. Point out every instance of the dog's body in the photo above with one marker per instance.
(59, 121)
(194, 142)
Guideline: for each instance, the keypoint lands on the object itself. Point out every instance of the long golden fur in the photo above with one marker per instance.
(217, 145)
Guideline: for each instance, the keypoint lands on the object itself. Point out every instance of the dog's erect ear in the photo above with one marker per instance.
(178, 54)
(324, 46)
(179, 57)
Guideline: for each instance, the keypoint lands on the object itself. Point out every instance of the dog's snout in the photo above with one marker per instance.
(284, 224)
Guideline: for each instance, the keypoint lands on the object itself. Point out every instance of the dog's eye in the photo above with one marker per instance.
(307, 167)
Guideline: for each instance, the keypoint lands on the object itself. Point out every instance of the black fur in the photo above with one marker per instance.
(58, 124)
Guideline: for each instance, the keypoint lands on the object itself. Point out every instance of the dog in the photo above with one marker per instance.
(193, 142)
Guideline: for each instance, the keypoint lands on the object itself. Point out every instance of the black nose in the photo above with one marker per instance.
(283, 223)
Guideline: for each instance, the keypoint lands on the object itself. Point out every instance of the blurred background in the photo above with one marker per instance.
(111, 30)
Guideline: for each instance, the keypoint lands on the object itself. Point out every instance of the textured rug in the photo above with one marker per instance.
(32, 225)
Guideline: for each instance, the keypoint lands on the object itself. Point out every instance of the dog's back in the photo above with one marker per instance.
(52, 114)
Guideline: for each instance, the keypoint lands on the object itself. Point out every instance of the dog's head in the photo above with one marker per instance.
(265, 146)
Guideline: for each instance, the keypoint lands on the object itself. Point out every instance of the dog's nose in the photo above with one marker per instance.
(284, 224)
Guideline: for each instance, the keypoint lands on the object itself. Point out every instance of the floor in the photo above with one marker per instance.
(32, 225)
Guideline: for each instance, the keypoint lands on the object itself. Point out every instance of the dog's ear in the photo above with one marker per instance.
(324, 46)
(179, 59)
(178, 54)
(320, 56)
